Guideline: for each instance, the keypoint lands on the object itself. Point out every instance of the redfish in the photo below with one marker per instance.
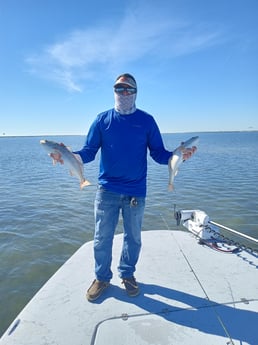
(66, 157)
(177, 158)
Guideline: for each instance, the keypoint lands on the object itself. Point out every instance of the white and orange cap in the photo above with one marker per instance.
(126, 79)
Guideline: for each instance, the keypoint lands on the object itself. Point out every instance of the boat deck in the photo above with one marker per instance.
(190, 294)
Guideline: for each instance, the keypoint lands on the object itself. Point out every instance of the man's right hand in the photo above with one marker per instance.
(57, 157)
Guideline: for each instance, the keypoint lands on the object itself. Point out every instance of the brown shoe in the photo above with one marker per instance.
(96, 289)
(131, 286)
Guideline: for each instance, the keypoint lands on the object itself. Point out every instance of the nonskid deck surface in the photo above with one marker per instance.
(190, 294)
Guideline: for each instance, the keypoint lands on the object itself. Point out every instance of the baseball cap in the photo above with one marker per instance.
(127, 79)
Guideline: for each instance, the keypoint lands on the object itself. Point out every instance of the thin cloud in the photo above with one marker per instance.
(85, 53)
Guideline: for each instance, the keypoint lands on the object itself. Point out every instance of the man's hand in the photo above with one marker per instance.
(188, 152)
(57, 157)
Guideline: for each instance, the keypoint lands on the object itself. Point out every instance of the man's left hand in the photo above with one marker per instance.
(188, 152)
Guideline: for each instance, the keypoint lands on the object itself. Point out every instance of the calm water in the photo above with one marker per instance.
(44, 217)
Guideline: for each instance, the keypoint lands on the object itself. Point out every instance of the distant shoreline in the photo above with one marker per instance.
(80, 135)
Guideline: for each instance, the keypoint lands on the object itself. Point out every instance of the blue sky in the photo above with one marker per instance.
(195, 61)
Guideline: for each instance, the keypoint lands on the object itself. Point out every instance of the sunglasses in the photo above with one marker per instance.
(130, 90)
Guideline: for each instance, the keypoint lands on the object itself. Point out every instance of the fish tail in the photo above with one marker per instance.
(84, 183)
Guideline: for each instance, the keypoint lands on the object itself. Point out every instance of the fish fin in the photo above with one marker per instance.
(84, 183)
(67, 147)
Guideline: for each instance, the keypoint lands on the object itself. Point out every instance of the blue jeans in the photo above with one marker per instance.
(106, 210)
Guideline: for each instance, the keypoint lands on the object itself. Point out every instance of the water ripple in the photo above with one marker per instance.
(45, 216)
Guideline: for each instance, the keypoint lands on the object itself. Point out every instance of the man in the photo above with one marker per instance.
(123, 134)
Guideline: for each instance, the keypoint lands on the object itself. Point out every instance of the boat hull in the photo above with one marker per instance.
(190, 294)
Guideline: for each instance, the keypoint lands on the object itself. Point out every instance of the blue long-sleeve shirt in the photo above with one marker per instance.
(124, 140)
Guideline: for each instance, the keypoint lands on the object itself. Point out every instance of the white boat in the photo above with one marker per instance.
(196, 289)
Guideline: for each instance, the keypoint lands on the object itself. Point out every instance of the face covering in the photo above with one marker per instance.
(125, 104)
